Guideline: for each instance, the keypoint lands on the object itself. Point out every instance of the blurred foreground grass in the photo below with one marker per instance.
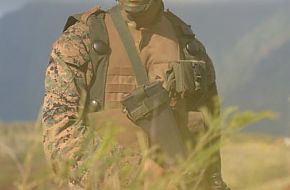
(250, 162)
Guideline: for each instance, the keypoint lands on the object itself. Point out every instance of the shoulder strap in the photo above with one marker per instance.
(128, 42)
(94, 19)
(183, 28)
(183, 31)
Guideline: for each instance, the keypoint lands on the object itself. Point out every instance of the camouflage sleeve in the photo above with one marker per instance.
(64, 100)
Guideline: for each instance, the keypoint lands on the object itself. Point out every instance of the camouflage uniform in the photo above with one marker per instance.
(64, 107)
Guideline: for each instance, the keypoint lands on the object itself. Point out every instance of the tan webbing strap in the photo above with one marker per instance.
(129, 44)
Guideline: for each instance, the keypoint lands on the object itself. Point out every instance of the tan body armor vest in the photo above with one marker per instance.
(157, 46)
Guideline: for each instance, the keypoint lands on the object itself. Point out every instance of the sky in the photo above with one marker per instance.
(8, 5)
(11, 5)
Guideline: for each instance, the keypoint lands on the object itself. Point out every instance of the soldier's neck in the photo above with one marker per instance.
(146, 19)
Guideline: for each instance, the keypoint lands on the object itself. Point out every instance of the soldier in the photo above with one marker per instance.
(90, 71)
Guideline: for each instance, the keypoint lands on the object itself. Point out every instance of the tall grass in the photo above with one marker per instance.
(112, 168)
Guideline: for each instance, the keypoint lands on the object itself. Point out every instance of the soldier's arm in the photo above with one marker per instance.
(212, 101)
(213, 105)
(66, 84)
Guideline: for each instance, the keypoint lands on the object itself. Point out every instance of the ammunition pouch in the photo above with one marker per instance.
(189, 79)
(190, 76)
(140, 103)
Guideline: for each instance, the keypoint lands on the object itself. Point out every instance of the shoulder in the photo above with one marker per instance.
(75, 32)
(71, 46)
(78, 26)
(188, 37)
(74, 43)
(193, 47)
(83, 17)
(183, 28)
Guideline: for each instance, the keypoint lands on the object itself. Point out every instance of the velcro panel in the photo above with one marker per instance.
(123, 71)
(119, 88)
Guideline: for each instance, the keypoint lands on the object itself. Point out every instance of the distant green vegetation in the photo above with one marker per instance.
(250, 162)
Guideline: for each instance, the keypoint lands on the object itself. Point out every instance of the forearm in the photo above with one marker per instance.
(62, 112)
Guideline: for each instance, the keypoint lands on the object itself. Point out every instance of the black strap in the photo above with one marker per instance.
(129, 44)
(98, 32)
(71, 21)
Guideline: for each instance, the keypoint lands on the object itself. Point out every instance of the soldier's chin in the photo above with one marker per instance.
(134, 8)
(142, 12)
